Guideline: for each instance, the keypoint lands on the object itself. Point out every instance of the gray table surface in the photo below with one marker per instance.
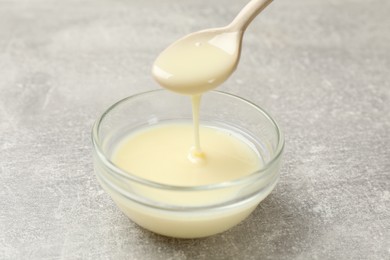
(321, 68)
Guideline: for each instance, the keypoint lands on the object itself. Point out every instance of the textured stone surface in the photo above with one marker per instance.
(322, 68)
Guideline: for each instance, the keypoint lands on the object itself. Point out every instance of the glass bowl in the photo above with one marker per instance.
(150, 204)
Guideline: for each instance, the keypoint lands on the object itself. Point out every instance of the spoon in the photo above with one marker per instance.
(203, 60)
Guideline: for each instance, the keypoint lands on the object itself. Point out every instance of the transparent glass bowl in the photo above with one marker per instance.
(223, 204)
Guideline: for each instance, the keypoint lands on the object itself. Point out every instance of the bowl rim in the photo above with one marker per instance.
(131, 177)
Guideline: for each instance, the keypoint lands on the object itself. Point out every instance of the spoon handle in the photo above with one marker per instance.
(247, 14)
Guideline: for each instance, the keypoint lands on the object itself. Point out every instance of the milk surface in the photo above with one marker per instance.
(163, 154)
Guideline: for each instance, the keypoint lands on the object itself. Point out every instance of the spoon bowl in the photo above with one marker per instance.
(198, 62)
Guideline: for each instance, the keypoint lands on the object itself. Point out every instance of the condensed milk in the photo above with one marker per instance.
(173, 165)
